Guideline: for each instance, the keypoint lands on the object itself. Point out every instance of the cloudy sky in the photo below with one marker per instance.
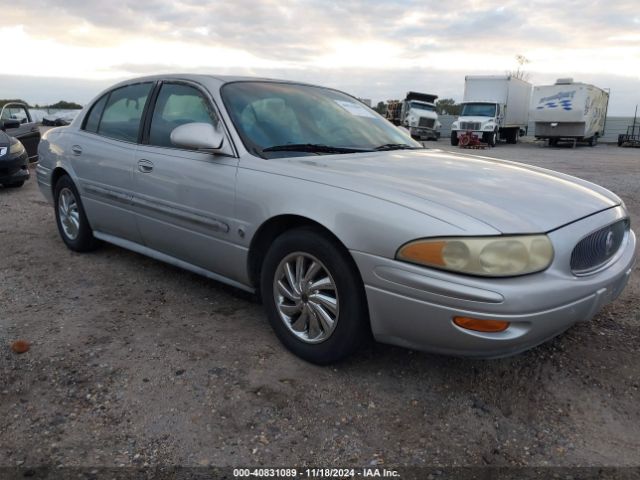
(70, 49)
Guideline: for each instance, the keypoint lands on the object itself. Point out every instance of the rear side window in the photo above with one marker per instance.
(178, 104)
(123, 111)
(93, 119)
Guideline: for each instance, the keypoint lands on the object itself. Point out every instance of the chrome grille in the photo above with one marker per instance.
(597, 248)
(426, 122)
(469, 125)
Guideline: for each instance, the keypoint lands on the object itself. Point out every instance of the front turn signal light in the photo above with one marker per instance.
(477, 325)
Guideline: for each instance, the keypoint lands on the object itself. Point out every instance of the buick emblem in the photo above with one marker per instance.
(608, 243)
(3, 150)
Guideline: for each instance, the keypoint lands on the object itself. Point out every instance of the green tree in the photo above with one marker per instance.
(64, 105)
(448, 106)
(3, 102)
(381, 108)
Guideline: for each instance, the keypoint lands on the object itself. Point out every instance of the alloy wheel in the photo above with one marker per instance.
(306, 297)
(69, 213)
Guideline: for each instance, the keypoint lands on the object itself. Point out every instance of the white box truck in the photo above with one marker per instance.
(417, 113)
(569, 110)
(494, 107)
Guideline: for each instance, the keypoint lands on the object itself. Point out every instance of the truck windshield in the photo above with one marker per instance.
(478, 110)
(423, 106)
(283, 119)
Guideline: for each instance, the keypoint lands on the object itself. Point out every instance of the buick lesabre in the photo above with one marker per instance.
(343, 224)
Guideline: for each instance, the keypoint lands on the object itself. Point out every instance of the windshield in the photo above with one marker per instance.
(478, 110)
(271, 114)
(422, 106)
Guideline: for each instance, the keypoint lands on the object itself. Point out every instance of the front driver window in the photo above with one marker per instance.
(178, 104)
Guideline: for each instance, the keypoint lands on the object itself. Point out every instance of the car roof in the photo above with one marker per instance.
(203, 78)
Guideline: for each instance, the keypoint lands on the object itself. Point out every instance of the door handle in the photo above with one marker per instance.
(77, 150)
(145, 166)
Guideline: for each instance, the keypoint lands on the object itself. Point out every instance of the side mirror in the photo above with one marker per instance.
(198, 136)
(7, 124)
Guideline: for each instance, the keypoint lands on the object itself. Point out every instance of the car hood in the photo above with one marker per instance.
(510, 197)
(422, 113)
(475, 119)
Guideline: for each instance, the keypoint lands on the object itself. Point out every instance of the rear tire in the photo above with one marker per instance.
(593, 141)
(297, 309)
(454, 139)
(72, 222)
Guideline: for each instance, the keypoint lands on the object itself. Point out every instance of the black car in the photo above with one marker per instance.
(14, 161)
(25, 130)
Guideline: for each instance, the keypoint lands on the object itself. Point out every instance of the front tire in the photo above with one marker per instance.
(314, 296)
(454, 139)
(72, 222)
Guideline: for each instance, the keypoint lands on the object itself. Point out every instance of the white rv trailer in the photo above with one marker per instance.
(569, 110)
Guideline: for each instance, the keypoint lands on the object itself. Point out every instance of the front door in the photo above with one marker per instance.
(184, 199)
(28, 132)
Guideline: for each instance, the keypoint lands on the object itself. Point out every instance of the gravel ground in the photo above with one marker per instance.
(134, 362)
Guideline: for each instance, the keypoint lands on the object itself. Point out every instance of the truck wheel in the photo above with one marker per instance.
(14, 184)
(593, 141)
(512, 137)
(454, 139)
(490, 138)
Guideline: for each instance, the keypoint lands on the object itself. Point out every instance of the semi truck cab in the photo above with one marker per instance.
(482, 118)
(421, 119)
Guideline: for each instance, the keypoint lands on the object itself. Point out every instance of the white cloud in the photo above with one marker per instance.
(367, 42)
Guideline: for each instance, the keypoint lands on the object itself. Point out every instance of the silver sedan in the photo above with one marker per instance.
(343, 224)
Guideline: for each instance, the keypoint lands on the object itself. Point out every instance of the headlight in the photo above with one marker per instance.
(486, 256)
(16, 148)
(489, 126)
(454, 125)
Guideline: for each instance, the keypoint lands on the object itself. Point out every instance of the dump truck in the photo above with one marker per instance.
(417, 113)
(494, 107)
(569, 111)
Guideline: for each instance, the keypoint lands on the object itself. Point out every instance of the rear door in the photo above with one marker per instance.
(184, 199)
(103, 158)
(28, 132)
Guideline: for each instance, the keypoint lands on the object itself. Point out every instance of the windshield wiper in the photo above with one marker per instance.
(312, 147)
(396, 146)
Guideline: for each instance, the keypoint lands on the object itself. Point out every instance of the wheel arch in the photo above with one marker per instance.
(272, 229)
(55, 176)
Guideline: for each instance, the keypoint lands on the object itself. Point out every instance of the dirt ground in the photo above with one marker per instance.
(134, 362)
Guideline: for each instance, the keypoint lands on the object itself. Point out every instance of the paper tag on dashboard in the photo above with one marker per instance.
(355, 109)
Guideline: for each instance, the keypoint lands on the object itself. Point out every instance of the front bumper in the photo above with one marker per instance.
(424, 133)
(413, 306)
(13, 170)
